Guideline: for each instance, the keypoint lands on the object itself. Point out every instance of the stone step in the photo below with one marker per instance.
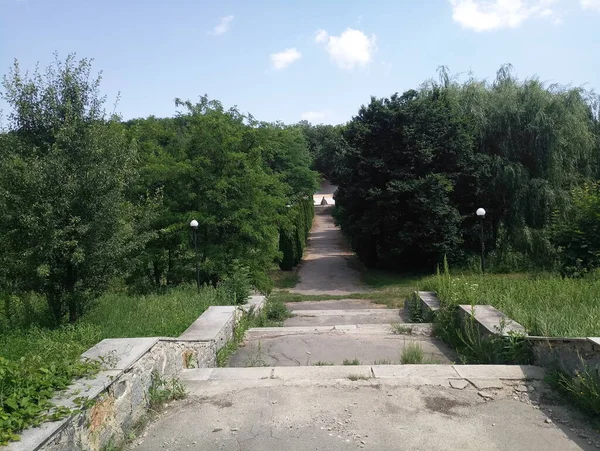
(341, 317)
(332, 345)
(480, 377)
(359, 329)
(337, 304)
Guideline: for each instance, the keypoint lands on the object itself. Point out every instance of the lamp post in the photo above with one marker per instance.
(194, 226)
(481, 214)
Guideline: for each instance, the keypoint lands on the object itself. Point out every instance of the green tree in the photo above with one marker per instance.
(64, 169)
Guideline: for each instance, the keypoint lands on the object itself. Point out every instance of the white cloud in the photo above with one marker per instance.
(488, 15)
(223, 26)
(283, 59)
(315, 116)
(590, 4)
(321, 36)
(351, 48)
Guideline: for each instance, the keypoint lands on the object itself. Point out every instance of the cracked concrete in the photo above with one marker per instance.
(357, 416)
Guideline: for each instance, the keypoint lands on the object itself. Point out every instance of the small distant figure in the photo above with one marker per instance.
(323, 202)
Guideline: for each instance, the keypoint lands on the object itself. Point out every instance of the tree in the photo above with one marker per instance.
(64, 169)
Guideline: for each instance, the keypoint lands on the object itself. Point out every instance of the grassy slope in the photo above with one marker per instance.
(548, 305)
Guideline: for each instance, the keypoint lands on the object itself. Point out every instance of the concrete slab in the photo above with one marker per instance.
(595, 340)
(120, 353)
(340, 317)
(341, 304)
(333, 347)
(254, 302)
(319, 373)
(429, 300)
(355, 416)
(209, 324)
(486, 384)
(491, 320)
(426, 371)
(505, 372)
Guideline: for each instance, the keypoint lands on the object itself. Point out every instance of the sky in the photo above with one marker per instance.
(290, 60)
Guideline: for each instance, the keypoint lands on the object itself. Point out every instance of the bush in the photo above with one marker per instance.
(292, 237)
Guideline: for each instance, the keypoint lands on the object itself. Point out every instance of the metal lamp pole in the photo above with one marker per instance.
(481, 214)
(194, 226)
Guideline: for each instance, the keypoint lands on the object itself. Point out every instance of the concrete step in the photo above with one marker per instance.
(331, 317)
(332, 345)
(337, 304)
(480, 377)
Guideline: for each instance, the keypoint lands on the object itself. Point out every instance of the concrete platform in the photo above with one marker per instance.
(341, 317)
(319, 408)
(306, 346)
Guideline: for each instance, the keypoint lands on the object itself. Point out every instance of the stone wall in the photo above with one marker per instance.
(120, 392)
(569, 355)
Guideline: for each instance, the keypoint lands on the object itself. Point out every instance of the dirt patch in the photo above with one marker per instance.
(443, 405)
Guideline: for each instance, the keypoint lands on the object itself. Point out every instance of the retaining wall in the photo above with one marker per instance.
(119, 392)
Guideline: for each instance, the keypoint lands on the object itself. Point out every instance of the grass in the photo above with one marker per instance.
(355, 361)
(412, 354)
(284, 279)
(321, 363)
(36, 361)
(546, 305)
(387, 288)
(358, 377)
(401, 329)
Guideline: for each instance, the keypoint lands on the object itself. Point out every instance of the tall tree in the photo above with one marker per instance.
(64, 169)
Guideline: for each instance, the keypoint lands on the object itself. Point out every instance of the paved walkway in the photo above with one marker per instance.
(274, 397)
(329, 265)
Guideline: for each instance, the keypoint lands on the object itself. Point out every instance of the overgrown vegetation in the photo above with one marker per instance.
(412, 169)
(545, 304)
(163, 389)
(95, 214)
(583, 389)
(412, 353)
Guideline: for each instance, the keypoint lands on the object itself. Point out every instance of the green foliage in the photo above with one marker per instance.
(412, 354)
(26, 387)
(293, 236)
(415, 167)
(583, 388)
(273, 314)
(354, 361)
(578, 236)
(164, 389)
(546, 305)
(64, 169)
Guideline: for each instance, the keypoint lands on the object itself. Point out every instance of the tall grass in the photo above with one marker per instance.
(547, 305)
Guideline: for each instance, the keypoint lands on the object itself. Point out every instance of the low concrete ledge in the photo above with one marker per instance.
(489, 320)
(426, 303)
(120, 391)
(569, 355)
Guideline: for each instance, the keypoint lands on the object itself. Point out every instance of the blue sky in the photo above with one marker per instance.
(293, 59)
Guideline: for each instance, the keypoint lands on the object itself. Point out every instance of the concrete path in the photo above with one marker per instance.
(341, 304)
(253, 409)
(304, 317)
(327, 266)
(306, 346)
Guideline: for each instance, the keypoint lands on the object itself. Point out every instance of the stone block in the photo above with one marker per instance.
(490, 320)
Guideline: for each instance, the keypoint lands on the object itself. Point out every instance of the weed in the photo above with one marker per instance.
(412, 354)
(273, 314)
(355, 361)
(255, 358)
(382, 362)
(232, 345)
(401, 329)
(164, 389)
(358, 377)
(321, 363)
(583, 388)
